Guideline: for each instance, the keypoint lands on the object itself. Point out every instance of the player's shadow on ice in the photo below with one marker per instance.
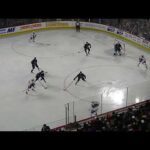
(117, 59)
(143, 72)
(88, 86)
(98, 57)
(54, 88)
(42, 96)
(42, 44)
(39, 95)
(109, 52)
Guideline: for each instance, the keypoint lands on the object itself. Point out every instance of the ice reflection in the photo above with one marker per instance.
(115, 95)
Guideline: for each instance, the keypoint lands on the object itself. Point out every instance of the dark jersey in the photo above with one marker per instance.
(40, 74)
(80, 75)
(31, 85)
(34, 61)
(78, 24)
(87, 45)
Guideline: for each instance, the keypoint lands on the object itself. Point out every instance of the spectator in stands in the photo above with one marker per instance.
(45, 128)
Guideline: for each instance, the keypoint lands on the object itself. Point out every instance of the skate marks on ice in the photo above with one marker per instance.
(49, 51)
(108, 87)
(113, 97)
(39, 44)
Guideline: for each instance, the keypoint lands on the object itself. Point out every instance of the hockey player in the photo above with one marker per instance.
(41, 75)
(117, 48)
(33, 36)
(94, 107)
(87, 47)
(31, 86)
(78, 26)
(80, 76)
(143, 61)
(34, 64)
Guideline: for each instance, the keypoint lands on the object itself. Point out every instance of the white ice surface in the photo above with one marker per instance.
(57, 53)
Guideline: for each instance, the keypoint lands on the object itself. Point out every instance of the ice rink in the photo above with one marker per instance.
(60, 53)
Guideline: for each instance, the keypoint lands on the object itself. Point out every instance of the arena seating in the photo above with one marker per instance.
(135, 118)
(138, 27)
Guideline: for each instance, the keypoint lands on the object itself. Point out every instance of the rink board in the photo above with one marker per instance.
(84, 26)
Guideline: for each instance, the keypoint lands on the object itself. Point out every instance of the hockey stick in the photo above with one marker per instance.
(45, 87)
(68, 85)
(30, 90)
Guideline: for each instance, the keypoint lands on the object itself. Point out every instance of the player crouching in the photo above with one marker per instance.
(117, 48)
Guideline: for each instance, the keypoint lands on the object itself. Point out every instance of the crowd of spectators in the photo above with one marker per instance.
(133, 119)
(4, 23)
(45, 128)
(139, 27)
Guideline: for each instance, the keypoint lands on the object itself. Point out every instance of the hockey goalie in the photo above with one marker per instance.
(119, 47)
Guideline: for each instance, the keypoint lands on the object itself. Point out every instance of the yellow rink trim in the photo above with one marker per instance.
(122, 38)
(84, 28)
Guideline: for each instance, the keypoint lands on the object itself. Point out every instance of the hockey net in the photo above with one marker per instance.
(107, 100)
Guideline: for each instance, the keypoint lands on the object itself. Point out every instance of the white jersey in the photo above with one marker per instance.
(31, 83)
(77, 23)
(31, 86)
(143, 61)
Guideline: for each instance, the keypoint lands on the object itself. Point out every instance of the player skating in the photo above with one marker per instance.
(78, 26)
(32, 37)
(143, 61)
(117, 48)
(31, 86)
(34, 64)
(80, 76)
(87, 48)
(40, 75)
